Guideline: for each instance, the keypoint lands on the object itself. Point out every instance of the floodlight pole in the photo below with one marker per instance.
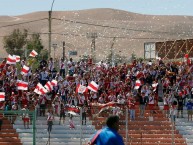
(50, 30)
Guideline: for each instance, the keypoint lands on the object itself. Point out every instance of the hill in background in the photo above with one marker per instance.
(72, 27)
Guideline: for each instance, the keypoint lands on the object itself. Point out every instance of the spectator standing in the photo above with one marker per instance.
(62, 113)
(42, 102)
(43, 76)
(151, 103)
(108, 135)
(50, 64)
(142, 102)
(189, 107)
(166, 105)
(71, 122)
(131, 105)
(173, 113)
(25, 117)
(84, 110)
(180, 100)
(62, 65)
(50, 119)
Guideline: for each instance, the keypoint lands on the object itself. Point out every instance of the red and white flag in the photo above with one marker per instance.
(24, 70)
(11, 59)
(37, 88)
(137, 84)
(81, 89)
(21, 85)
(93, 86)
(17, 57)
(2, 96)
(54, 83)
(43, 91)
(48, 86)
(154, 86)
(40, 89)
(33, 53)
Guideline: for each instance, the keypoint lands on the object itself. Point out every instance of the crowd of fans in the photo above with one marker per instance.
(139, 81)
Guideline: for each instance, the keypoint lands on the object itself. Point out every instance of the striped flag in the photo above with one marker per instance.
(21, 85)
(24, 70)
(81, 89)
(37, 88)
(2, 96)
(33, 53)
(154, 86)
(48, 86)
(137, 84)
(54, 83)
(17, 57)
(11, 60)
(93, 86)
(40, 89)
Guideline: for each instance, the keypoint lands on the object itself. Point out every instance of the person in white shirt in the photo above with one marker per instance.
(25, 117)
(42, 102)
(43, 76)
(62, 66)
(51, 64)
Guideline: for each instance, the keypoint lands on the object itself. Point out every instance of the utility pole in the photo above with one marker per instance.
(54, 46)
(112, 52)
(49, 34)
(50, 30)
(93, 36)
(63, 54)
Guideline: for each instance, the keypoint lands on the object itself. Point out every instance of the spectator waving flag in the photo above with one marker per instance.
(17, 57)
(2, 96)
(81, 89)
(40, 89)
(11, 59)
(48, 86)
(93, 86)
(24, 70)
(21, 85)
(33, 53)
(137, 84)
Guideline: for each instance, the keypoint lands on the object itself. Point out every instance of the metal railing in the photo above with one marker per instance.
(10, 115)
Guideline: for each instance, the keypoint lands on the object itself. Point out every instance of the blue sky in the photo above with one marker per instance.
(154, 7)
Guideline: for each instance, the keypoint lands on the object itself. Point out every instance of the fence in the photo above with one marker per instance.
(153, 128)
(156, 129)
(17, 116)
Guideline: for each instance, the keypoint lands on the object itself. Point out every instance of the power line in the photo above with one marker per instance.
(22, 23)
(91, 24)
(113, 27)
(100, 36)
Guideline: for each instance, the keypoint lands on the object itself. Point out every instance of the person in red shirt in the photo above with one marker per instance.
(25, 100)
(131, 105)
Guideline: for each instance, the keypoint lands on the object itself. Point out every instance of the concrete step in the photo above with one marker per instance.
(55, 127)
(56, 135)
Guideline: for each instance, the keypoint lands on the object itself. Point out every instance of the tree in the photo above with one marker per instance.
(34, 43)
(15, 42)
(21, 43)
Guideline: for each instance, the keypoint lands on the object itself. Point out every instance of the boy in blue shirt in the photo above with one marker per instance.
(189, 106)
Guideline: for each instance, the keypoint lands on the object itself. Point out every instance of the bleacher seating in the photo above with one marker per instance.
(145, 132)
(8, 135)
(60, 134)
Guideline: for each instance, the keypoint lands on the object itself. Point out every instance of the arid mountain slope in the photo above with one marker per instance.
(131, 30)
